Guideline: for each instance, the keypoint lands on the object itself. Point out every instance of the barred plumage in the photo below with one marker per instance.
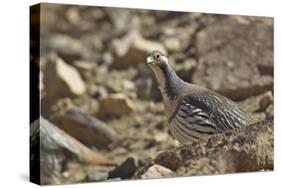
(194, 112)
(201, 115)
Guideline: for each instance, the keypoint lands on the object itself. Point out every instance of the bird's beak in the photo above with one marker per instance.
(149, 60)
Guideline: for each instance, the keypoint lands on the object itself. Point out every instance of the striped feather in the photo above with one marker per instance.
(224, 113)
(198, 117)
(184, 132)
(194, 126)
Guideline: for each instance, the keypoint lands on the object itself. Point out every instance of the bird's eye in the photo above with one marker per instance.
(157, 56)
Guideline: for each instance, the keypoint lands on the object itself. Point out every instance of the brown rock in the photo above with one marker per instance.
(270, 112)
(265, 101)
(240, 150)
(119, 85)
(85, 66)
(97, 91)
(73, 175)
(172, 44)
(73, 16)
(133, 49)
(185, 70)
(86, 128)
(117, 81)
(257, 105)
(157, 171)
(230, 54)
(117, 104)
(244, 90)
(260, 106)
(62, 80)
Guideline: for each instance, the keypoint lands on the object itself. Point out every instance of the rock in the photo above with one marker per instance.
(230, 54)
(127, 169)
(270, 111)
(86, 104)
(86, 128)
(57, 107)
(73, 16)
(85, 66)
(128, 85)
(185, 70)
(146, 89)
(97, 92)
(265, 101)
(161, 137)
(87, 70)
(106, 58)
(51, 148)
(121, 19)
(172, 44)
(116, 104)
(169, 159)
(261, 106)
(117, 81)
(119, 85)
(62, 80)
(68, 48)
(157, 171)
(252, 106)
(97, 173)
(244, 90)
(239, 150)
(132, 49)
(74, 175)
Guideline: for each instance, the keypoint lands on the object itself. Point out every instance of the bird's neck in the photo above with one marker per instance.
(168, 81)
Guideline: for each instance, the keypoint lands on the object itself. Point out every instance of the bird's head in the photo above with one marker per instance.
(158, 63)
(156, 58)
(166, 77)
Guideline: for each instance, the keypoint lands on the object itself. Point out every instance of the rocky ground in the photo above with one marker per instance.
(102, 102)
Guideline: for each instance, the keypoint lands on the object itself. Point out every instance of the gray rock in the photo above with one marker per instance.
(68, 48)
(86, 128)
(51, 148)
(127, 169)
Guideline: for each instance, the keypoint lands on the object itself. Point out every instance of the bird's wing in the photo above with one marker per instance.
(192, 123)
(213, 110)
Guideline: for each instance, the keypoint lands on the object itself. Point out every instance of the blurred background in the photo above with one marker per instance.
(102, 110)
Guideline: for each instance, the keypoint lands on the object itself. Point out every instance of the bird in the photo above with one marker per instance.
(193, 112)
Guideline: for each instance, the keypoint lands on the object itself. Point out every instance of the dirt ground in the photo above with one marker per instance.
(106, 47)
